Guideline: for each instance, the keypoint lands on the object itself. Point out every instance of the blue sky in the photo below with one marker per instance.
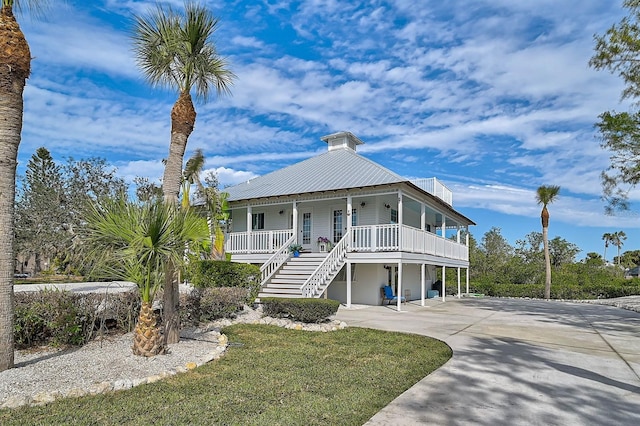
(494, 98)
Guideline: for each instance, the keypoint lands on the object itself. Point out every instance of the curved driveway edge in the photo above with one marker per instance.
(517, 362)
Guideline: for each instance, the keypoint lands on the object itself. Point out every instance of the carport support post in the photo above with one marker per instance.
(444, 284)
(422, 284)
(467, 275)
(398, 295)
(467, 238)
(348, 265)
(458, 282)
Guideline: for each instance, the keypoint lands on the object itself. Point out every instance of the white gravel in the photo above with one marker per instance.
(101, 365)
(108, 363)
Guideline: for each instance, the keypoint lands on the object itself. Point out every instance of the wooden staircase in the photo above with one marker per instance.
(286, 282)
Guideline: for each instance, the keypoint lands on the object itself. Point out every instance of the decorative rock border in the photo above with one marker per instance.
(248, 316)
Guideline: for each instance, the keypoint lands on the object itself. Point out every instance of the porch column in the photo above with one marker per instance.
(349, 220)
(249, 229)
(423, 217)
(444, 284)
(399, 294)
(400, 220)
(422, 284)
(348, 266)
(294, 225)
(458, 282)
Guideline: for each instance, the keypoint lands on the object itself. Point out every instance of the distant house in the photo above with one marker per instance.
(633, 272)
(361, 227)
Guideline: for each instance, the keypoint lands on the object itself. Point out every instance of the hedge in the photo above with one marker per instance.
(304, 310)
(208, 304)
(220, 273)
(561, 290)
(58, 318)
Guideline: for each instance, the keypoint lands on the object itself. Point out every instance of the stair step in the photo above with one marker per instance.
(284, 285)
(291, 296)
(301, 265)
(298, 281)
(281, 290)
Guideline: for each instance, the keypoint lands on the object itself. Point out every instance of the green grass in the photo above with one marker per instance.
(269, 376)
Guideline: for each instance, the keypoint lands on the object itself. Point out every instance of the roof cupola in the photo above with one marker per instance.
(342, 140)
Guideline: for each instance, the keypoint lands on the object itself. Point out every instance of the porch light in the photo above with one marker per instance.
(281, 212)
(386, 206)
(362, 204)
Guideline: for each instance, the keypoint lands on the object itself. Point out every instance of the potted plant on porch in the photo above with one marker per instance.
(324, 244)
(295, 249)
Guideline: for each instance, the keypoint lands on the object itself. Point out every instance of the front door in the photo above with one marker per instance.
(338, 226)
(305, 227)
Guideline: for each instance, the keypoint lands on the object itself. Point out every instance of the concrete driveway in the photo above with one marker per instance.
(517, 362)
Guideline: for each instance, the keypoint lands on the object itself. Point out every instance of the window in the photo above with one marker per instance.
(394, 216)
(257, 221)
(337, 226)
(354, 217)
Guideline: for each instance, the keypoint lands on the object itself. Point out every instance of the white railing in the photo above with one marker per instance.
(257, 241)
(275, 261)
(435, 187)
(373, 238)
(378, 238)
(325, 272)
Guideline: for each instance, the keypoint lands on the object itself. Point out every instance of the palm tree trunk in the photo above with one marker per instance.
(183, 118)
(547, 262)
(146, 339)
(15, 66)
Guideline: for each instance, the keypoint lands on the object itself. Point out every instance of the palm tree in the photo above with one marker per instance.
(134, 243)
(217, 207)
(617, 239)
(545, 195)
(177, 52)
(191, 176)
(608, 238)
(15, 67)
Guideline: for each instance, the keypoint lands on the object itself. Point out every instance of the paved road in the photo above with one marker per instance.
(88, 287)
(517, 362)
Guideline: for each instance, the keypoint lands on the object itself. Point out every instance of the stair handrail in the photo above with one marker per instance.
(331, 264)
(276, 260)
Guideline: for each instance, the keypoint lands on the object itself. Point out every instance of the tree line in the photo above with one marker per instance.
(493, 259)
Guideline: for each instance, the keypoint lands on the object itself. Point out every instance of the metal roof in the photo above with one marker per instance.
(332, 170)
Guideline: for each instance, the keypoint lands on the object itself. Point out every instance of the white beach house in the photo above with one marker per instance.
(361, 227)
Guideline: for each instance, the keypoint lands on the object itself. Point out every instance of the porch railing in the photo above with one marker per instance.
(371, 238)
(257, 241)
(274, 263)
(396, 237)
(324, 273)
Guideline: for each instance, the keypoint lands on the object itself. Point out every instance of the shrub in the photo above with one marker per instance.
(208, 304)
(220, 273)
(304, 310)
(52, 317)
(563, 287)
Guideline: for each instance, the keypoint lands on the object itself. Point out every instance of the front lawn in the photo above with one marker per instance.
(269, 376)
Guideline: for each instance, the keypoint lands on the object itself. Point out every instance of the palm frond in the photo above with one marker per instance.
(136, 241)
(177, 51)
